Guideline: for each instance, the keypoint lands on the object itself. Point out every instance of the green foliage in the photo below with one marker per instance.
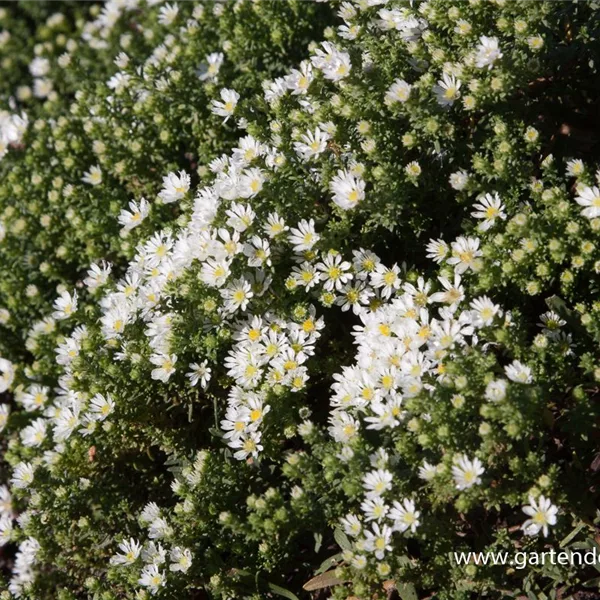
(348, 327)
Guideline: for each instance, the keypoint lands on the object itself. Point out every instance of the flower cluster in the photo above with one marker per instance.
(284, 301)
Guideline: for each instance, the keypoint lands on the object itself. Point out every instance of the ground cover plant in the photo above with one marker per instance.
(299, 299)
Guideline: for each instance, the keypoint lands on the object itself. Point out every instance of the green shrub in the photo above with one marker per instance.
(356, 332)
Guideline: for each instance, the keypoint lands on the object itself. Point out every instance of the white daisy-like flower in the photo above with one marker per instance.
(399, 91)
(405, 515)
(488, 208)
(93, 176)
(487, 52)
(129, 552)
(589, 198)
(466, 472)
(167, 14)
(226, 107)
(175, 187)
(542, 514)
(465, 252)
(138, 211)
(518, 372)
(199, 373)
(101, 406)
(65, 305)
(447, 90)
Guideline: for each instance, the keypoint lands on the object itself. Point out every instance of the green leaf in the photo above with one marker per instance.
(324, 580)
(276, 589)
(592, 583)
(572, 534)
(318, 542)
(407, 591)
(342, 539)
(328, 563)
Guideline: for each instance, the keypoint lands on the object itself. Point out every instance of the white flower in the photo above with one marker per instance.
(22, 476)
(159, 528)
(150, 513)
(175, 187)
(343, 427)
(5, 529)
(6, 508)
(459, 180)
(359, 561)
(236, 295)
(399, 91)
(119, 82)
(388, 279)
(334, 63)
(226, 108)
(258, 252)
(379, 540)
(213, 66)
(4, 412)
(376, 483)
(437, 250)
(199, 373)
(67, 351)
(495, 391)
(487, 52)
(465, 252)
(65, 305)
(304, 236)
(453, 293)
(551, 322)
(39, 67)
(352, 525)
(347, 189)
(66, 421)
(427, 471)
(97, 275)
(181, 559)
(541, 513)
(463, 27)
(241, 216)
(299, 80)
(135, 215)
(484, 311)
(518, 372)
(275, 225)
(489, 208)
(102, 406)
(215, 273)
(467, 472)
(130, 551)
(93, 176)
(446, 90)
(33, 435)
(152, 578)
(251, 183)
(167, 14)
(121, 60)
(413, 169)
(575, 167)
(589, 197)
(165, 364)
(334, 271)
(312, 143)
(404, 515)
(248, 445)
(153, 553)
(374, 509)
(306, 275)
(42, 87)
